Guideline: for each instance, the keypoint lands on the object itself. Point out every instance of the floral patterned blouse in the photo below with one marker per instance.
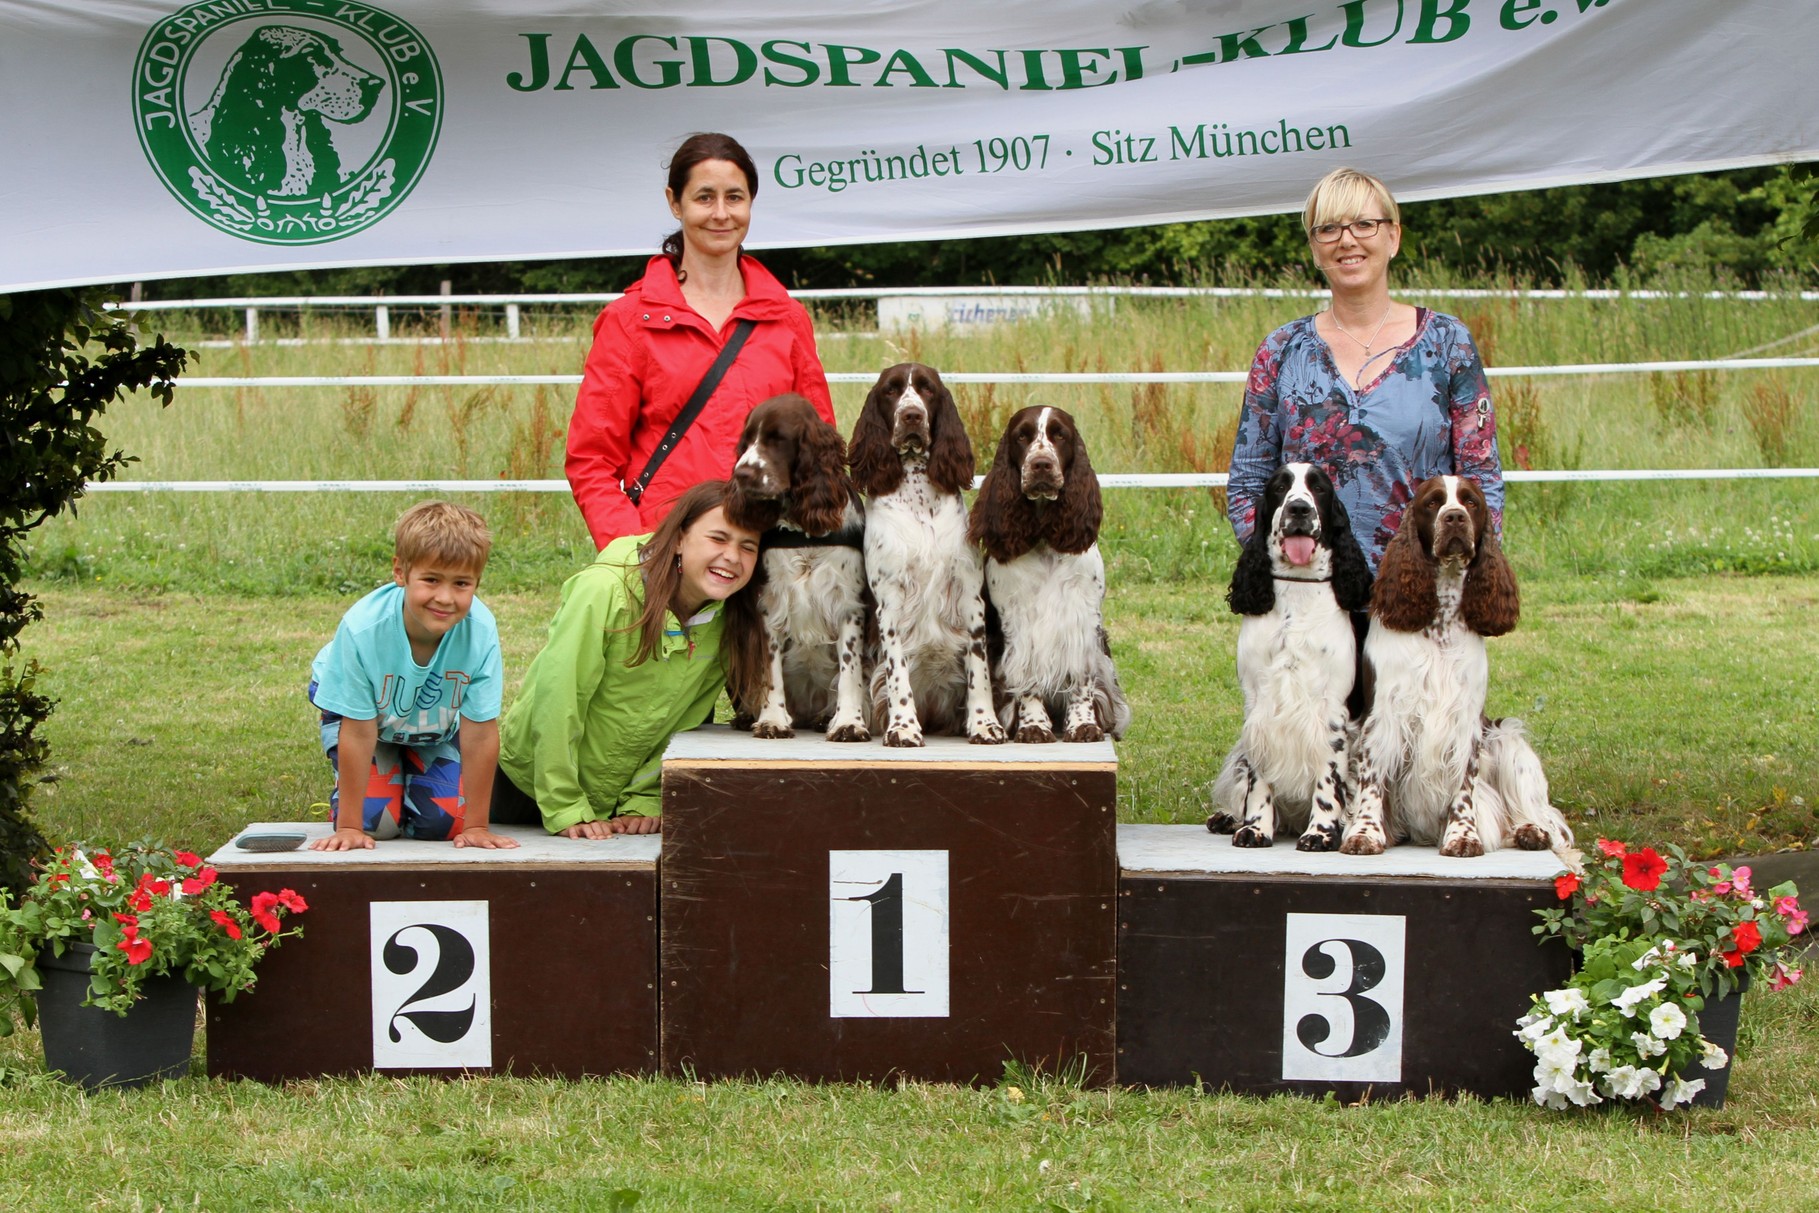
(1427, 413)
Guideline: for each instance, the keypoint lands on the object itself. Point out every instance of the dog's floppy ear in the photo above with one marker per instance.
(877, 468)
(1351, 571)
(1490, 604)
(819, 487)
(950, 459)
(1075, 516)
(1406, 596)
(1003, 521)
(1253, 588)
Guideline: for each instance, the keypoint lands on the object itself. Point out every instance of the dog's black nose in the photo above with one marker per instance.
(1300, 509)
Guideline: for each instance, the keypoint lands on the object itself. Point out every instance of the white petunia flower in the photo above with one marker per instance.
(1567, 1002)
(1667, 1021)
(1631, 1082)
(1647, 1046)
(1687, 960)
(1626, 1001)
(1598, 1061)
(1681, 1090)
(1558, 1050)
(1713, 1058)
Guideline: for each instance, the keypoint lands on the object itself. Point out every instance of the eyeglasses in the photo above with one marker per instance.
(1363, 229)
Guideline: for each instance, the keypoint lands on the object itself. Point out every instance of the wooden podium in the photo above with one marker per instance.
(418, 957)
(857, 911)
(1276, 970)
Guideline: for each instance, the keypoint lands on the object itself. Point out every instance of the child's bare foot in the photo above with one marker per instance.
(637, 825)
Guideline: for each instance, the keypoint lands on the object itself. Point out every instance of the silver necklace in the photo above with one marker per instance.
(1334, 317)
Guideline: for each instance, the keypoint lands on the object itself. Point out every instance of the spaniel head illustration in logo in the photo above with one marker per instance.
(265, 128)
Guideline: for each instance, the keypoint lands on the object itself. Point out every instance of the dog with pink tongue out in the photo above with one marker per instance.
(1298, 580)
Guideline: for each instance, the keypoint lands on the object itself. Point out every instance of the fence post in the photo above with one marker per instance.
(447, 312)
(252, 325)
(511, 321)
(382, 321)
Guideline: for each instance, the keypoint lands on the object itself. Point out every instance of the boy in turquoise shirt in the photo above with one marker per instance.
(409, 692)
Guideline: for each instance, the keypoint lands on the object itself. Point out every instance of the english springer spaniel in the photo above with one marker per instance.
(1429, 767)
(1298, 579)
(790, 483)
(1037, 517)
(911, 459)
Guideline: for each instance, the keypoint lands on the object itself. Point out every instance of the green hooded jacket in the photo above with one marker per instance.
(585, 735)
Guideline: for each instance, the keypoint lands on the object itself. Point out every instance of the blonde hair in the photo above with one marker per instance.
(1345, 194)
(444, 533)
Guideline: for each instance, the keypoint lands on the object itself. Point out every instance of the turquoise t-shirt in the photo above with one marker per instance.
(367, 670)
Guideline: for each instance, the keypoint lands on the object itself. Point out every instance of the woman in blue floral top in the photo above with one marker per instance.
(1379, 394)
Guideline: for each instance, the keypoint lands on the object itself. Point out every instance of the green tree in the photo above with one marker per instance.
(62, 362)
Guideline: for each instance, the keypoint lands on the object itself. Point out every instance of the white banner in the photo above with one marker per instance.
(146, 138)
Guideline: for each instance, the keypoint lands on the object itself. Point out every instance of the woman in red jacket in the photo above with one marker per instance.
(654, 345)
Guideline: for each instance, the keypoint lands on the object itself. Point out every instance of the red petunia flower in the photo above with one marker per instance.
(139, 900)
(200, 881)
(1566, 885)
(1733, 959)
(1614, 849)
(104, 864)
(151, 884)
(137, 950)
(226, 922)
(129, 923)
(189, 859)
(292, 900)
(1642, 870)
(1747, 936)
(262, 911)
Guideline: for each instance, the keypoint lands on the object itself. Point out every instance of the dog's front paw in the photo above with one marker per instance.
(904, 736)
(989, 733)
(1323, 837)
(1035, 734)
(1251, 836)
(1221, 823)
(1531, 838)
(1465, 846)
(1085, 732)
(1362, 844)
(771, 730)
(849, 731)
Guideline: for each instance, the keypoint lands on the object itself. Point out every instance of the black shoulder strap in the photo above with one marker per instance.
(692, 410)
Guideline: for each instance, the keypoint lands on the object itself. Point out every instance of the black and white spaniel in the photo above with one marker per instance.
(1429, 767)
(1296, 583)
(790, 482)
(1037, 517)
(911, 458)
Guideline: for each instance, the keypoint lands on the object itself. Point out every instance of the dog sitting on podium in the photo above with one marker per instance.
(1300, 576)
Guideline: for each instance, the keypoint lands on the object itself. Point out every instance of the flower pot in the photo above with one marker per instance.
(1718, 1024)
(96, 1048)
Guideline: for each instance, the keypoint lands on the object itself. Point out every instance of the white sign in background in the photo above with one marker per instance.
(432, 985)
(1342, 988)
(887, 934)
(151, 138)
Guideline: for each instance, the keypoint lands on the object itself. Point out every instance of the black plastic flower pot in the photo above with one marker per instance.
(96, 1048)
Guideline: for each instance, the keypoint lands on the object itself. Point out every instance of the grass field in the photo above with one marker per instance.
(1663, 665)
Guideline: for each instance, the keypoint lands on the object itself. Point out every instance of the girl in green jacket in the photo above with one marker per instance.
(638, 651)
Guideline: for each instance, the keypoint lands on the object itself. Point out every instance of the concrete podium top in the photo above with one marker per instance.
(720, 745)
(535, 849)
(1193, 850)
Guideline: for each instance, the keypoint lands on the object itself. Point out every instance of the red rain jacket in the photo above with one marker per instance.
(650, 351)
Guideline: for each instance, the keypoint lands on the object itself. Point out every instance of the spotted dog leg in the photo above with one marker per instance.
(1258, 829)
(1324, 821)
(902, 726)
(1033, 724)
(848, 723)
(1221, 822)
(1083, 714)
(1367, 834)
(1460, 839)
(982, 727)
(1531, 837)
(774, 720)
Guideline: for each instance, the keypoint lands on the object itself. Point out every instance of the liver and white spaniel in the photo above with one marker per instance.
(911, 458)
(1429, 767)
(790, 482)
(1037, 517)
(1299, 578)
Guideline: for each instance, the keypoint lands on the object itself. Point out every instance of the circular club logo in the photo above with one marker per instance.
(293, 125)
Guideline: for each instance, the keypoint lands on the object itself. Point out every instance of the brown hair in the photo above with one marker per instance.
(697, 148)
(743, 651)
(443, 533)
